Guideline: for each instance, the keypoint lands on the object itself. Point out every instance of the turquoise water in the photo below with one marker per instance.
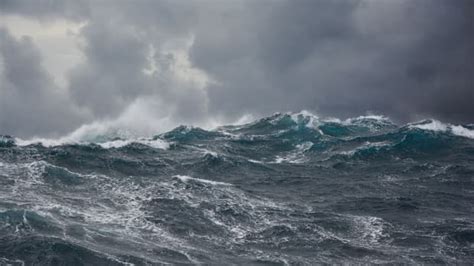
(286, 189)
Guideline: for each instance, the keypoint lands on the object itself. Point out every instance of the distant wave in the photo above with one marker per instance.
(118, 143)
(277, 124)
(288, 189)
(435, 125)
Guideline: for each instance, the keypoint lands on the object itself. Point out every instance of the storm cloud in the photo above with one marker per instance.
(30, 102)
(200, 62)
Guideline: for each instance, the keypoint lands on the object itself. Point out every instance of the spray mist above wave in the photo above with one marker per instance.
(437, 126)
(110, 135)
(358, 189)
(104, 135)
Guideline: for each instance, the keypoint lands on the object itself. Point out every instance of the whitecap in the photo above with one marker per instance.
(312, 119)
(370, 228)
(304, 146)
(462, 132)
(232, 136)
(243, 120)
(5, 261)
(432, 125)
(296, 156)
(154, 143)
(302, 114)
(212, 153)
(372, 117)
(255, 161)
(43, 141)
(186, 179)
(206, 151)
(365, 146)
(437, 126)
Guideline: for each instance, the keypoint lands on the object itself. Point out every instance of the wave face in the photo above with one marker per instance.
(287, 189)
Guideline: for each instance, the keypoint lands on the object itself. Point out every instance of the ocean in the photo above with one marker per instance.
(289, 189)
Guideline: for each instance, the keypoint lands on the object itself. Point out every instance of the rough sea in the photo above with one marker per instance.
(289, 189)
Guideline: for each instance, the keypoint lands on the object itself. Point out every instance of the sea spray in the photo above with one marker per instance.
(292, 188)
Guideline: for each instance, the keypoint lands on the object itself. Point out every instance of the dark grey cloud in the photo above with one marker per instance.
(30, 103)
(124, 40)
(405, 59)
(111, 76)
(46, 9)
(402, 58)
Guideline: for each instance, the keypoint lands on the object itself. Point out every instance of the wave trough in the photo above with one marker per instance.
(287, 189)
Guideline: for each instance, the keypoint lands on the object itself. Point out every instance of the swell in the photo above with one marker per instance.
(286, 189)
(280, 139)
(302, 126)
(167, 220)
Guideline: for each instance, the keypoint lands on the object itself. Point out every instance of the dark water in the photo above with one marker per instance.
(288, 189)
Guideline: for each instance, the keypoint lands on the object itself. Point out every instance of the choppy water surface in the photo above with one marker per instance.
(287, 189)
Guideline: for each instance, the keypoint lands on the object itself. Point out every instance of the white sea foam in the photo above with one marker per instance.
(462, 131)
(230, 135)
(304, 146)
(437, 126)
(30, 173)
(373, 117)
(296, 156)
(303, 114)
(89, 133)
(5, 261)
(332, 120)
(245, 119)
(281, 159)
(367, 121)
(255, 161)
(312, 119)
(366, 145)
(205, 151)
(185, 179)
(135, 123)
(100, 217)
(43, 141)
(433, 125)
(154, 143)
(120, 208)
(212, 153)
(371, 229)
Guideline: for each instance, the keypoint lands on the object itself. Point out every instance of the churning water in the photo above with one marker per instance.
(287, 189)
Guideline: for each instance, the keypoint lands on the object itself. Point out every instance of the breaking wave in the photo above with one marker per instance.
(292, 188)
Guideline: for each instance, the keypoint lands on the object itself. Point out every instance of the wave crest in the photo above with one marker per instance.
(438, 126)
(303, 125)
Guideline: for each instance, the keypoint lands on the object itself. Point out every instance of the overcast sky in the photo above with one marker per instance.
(156, 64)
